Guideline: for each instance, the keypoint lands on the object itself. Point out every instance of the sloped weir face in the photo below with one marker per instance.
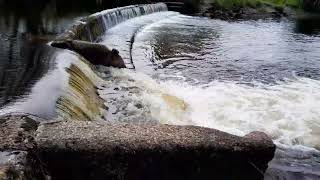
(81, 101)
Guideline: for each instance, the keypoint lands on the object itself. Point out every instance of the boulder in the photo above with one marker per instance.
(16, 146)
(14, 166)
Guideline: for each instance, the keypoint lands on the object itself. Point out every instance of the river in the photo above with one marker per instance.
(235, 76)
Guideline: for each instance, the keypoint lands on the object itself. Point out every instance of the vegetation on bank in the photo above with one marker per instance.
(293, 3)
(251, 9)
(256, 3)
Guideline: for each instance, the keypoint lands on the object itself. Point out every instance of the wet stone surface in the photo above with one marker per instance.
(18, 132)
(12, 165)
(126, 151)
(17, 142)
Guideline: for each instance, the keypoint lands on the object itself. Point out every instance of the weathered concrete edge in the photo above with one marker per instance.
(100, 150)
(97, 150)
(17, 161)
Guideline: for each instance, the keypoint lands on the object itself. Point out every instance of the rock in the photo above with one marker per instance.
(16, 142)
(97, 54)
(294, 164)
(13, 165)
(102, 150)
(18, 132)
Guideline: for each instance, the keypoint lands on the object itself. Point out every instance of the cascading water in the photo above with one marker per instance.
(80, 100)
(113, 17)
(234, 76)
(70, 89)
(230, 76)
(93, 26)
(67, 91)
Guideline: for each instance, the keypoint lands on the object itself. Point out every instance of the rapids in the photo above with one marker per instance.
(231, 76)
(237, 77)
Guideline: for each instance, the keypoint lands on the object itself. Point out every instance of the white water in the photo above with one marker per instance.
(42, 101)
(68, 89)
(288, 112)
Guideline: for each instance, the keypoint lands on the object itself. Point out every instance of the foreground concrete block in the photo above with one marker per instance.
(101, 150)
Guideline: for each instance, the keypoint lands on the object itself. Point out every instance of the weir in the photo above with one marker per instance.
(80, 100)
(72, 82)
(93, 26)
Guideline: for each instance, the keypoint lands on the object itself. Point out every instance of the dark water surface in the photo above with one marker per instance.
(264, 51)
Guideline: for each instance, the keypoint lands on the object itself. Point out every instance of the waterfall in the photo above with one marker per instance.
(69, 90)
(95, 25)
(113, 17)
(109, 18)
(79, 99)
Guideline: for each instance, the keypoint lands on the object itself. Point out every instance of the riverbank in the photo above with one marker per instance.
(248, 9)
(312, 5)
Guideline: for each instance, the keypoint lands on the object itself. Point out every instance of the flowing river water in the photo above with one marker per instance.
(238, 77)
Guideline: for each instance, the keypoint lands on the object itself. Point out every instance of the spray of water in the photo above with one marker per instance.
(288, 111)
